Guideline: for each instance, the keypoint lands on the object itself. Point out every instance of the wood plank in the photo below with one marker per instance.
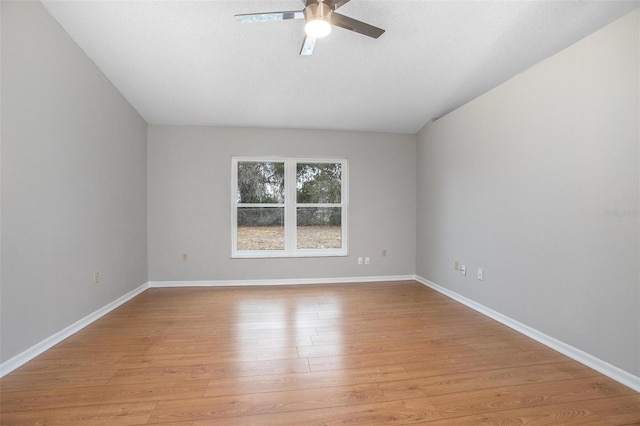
(95, 415)
(222, 407)
(202, 358)
(109, 394)
(376, 346)
(382, 413)
(573, 413)
(281, 382)
(387, 358)
(209, 371)
(53, 379)
(474, 380)
(187, 423)
(201, 344)
(526, 396)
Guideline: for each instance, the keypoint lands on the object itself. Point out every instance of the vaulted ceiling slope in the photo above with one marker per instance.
(191, 62)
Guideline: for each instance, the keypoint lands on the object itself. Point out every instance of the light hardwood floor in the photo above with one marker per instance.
(348, 354)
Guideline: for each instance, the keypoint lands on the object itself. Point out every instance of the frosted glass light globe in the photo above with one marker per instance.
(317, 28)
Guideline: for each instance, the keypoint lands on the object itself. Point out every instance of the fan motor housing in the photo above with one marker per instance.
(318, 11)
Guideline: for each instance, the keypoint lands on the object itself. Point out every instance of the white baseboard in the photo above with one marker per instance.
(294, 281)
(597, 364)
(22, 358)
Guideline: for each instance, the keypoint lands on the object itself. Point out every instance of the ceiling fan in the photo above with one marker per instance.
(319, 15)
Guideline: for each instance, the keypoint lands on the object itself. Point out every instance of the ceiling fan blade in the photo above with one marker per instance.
(271, 16)
(307, 46)
(354, 25)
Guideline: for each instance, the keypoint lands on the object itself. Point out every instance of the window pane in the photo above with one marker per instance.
(319, 227)
(318, 183)
(260, 182)
(260, 228)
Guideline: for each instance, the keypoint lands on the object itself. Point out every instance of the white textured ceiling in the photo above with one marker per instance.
(191, 63)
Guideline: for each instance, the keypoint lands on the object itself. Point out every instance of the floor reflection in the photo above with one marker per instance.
(288, 329)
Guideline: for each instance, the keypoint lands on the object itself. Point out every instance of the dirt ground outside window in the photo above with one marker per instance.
(272, 237)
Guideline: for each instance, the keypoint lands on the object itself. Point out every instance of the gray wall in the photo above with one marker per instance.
(73, 183)
(190, 190)
(537, 182)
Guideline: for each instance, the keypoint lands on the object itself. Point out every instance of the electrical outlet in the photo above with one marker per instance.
(359, 261)
(463, 270)
(481, 274)
(367, 261)
(456, 265)
(96, 277)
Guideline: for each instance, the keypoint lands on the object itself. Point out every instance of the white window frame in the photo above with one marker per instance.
(290, 209)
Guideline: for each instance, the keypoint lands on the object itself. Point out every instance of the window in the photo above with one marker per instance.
(288, 207)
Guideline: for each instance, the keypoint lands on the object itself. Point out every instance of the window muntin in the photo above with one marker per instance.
(289, 207)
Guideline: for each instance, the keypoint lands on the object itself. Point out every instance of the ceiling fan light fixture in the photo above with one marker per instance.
(318, 17)
(317, 28)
